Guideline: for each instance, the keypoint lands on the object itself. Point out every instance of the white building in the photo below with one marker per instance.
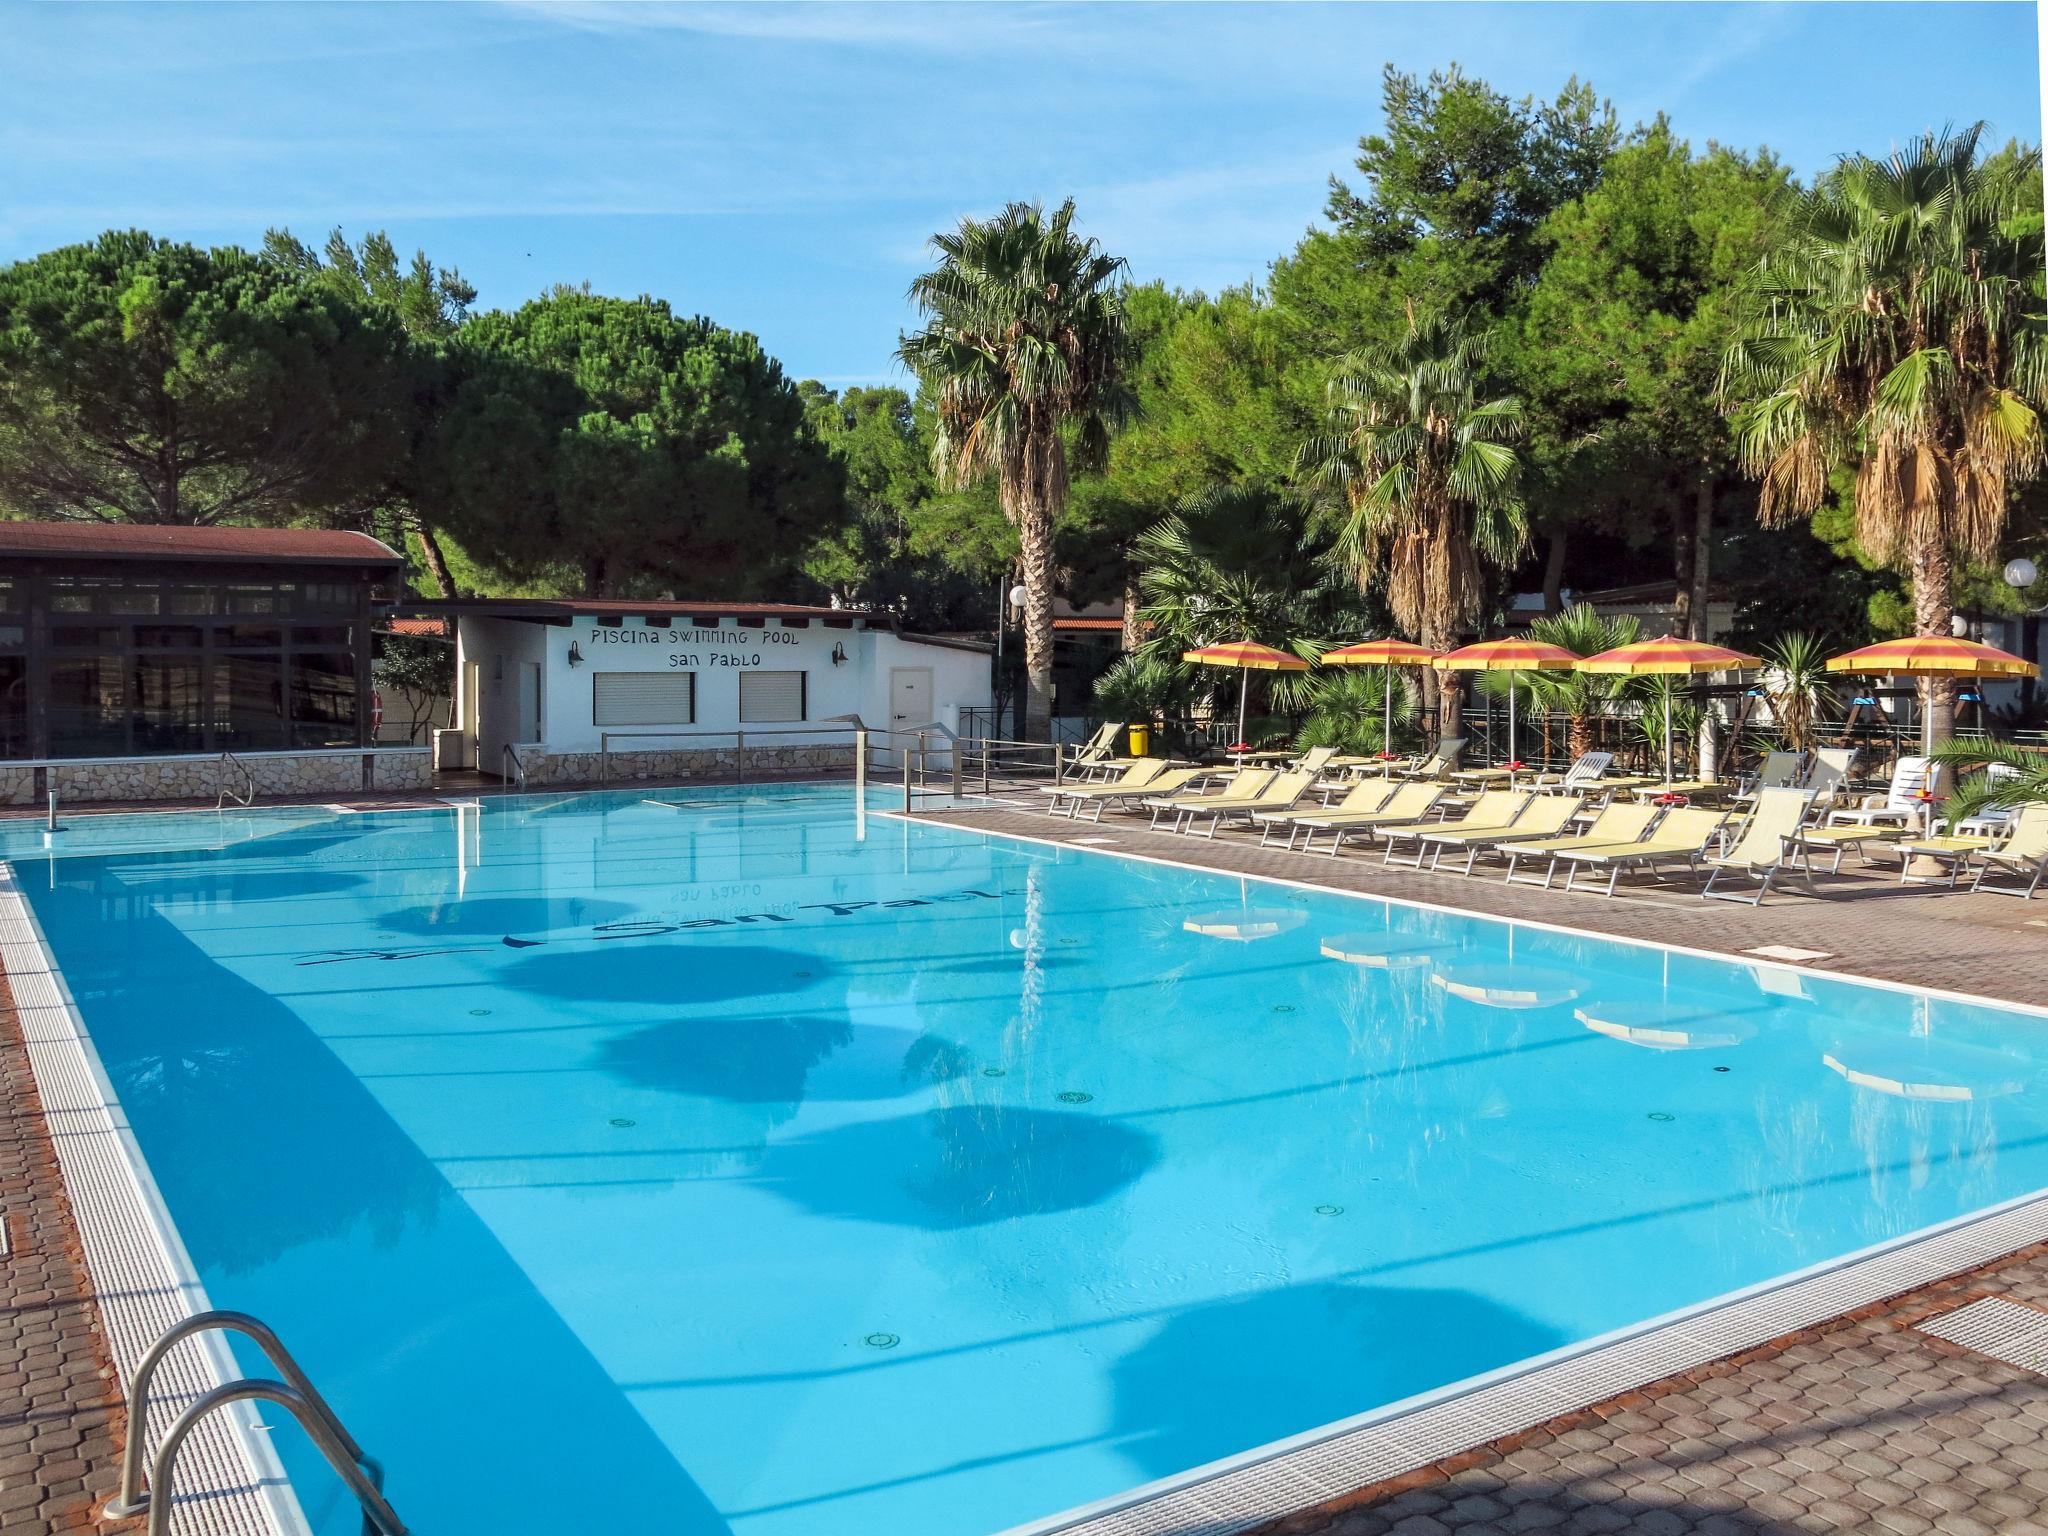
(670, 688)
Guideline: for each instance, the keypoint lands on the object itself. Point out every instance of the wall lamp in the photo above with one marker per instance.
(838, 654)
(575, 654)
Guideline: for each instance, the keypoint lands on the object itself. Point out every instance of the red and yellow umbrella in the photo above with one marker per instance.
(1248, 656)
(1509, 656)
(1667, 656)
(1932, 656)
(1389, 653)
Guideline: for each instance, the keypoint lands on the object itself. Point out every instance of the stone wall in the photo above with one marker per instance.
(202, 778)
(699, 763)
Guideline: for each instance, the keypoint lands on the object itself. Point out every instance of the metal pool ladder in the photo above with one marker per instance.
(296, 1394)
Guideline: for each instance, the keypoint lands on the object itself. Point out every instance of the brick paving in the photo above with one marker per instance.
(59, 1408)
(1861, 1425)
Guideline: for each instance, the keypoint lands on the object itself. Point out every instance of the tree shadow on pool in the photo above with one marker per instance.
(1221, 1379)
(494, 915)
(777, 1060)
(633, 970)
(960, 1167)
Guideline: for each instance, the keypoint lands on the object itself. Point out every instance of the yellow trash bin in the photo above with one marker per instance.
(1141, 741)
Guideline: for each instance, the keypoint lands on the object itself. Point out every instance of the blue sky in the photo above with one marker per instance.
(780, 167)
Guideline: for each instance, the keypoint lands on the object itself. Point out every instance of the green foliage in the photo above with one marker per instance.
(1798, 686)
(1897, 326)
(151, 382)
(415, 671)
(429, 301)
(1453, 193)
(1422, 473)
(1584, 631)
(610, 438)
(2021, 779)
(1241, 564)
(1146, 686)
(1347, 709)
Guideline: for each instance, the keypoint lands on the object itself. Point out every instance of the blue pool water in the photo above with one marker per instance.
(703, 1167)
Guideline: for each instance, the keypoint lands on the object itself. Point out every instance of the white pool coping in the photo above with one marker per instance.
(229, 1480)
(1287, 1477)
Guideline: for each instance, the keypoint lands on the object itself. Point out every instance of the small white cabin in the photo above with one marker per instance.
(669, 687)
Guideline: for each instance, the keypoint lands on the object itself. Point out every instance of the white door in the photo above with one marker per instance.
(529, 701)
(910, 697)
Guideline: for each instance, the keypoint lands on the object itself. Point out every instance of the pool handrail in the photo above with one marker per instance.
(296, 1394)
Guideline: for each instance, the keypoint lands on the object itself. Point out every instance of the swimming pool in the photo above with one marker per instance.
(692, 1162)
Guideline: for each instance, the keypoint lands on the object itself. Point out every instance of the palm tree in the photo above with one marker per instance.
(1584, 631)
(1798, 686)
(1428, 475)
(2021, 777)
(1022, 352)
(1239, 563)
(1898, 327)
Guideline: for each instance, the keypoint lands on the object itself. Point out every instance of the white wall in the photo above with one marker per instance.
(719, 658)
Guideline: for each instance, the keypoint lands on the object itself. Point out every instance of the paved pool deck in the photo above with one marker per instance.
(1861, 1424)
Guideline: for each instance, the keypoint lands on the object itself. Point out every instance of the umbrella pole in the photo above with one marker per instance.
(1511, 731)
(1244, 688)
(1387, 732)
(1667, 735)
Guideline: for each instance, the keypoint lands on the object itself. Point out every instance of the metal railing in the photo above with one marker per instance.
(510, 759)
(227, 760)
(296, 1394)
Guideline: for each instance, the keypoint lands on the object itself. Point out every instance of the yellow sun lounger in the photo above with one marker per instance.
(1365, 797)
(1098, 796)
(1140, 774)
(1494, 811)
(2023, 855)
(1278, 795)
(1545, 816)
(1245, 784)
(1620, 824)
(1682, 837)
(1766, 848)
(1410, 804)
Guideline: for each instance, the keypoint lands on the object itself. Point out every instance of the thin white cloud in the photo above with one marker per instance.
(843, 22)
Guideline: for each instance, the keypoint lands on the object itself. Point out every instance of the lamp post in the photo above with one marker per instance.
(2021, 573)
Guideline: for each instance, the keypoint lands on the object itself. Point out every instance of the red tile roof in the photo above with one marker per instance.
(426, 629)
(143, 541)
(1109, 626)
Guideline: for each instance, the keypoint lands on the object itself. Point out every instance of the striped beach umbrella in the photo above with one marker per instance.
(1667, 656)
(1509, 656)
(1389, 653)
(1932, 656)
(1248, 656)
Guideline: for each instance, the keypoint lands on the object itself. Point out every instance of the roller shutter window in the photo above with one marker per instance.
(767, 696)
(644, 698)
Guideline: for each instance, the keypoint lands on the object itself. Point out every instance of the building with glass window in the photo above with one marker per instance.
(124, 640)
(669, 687)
